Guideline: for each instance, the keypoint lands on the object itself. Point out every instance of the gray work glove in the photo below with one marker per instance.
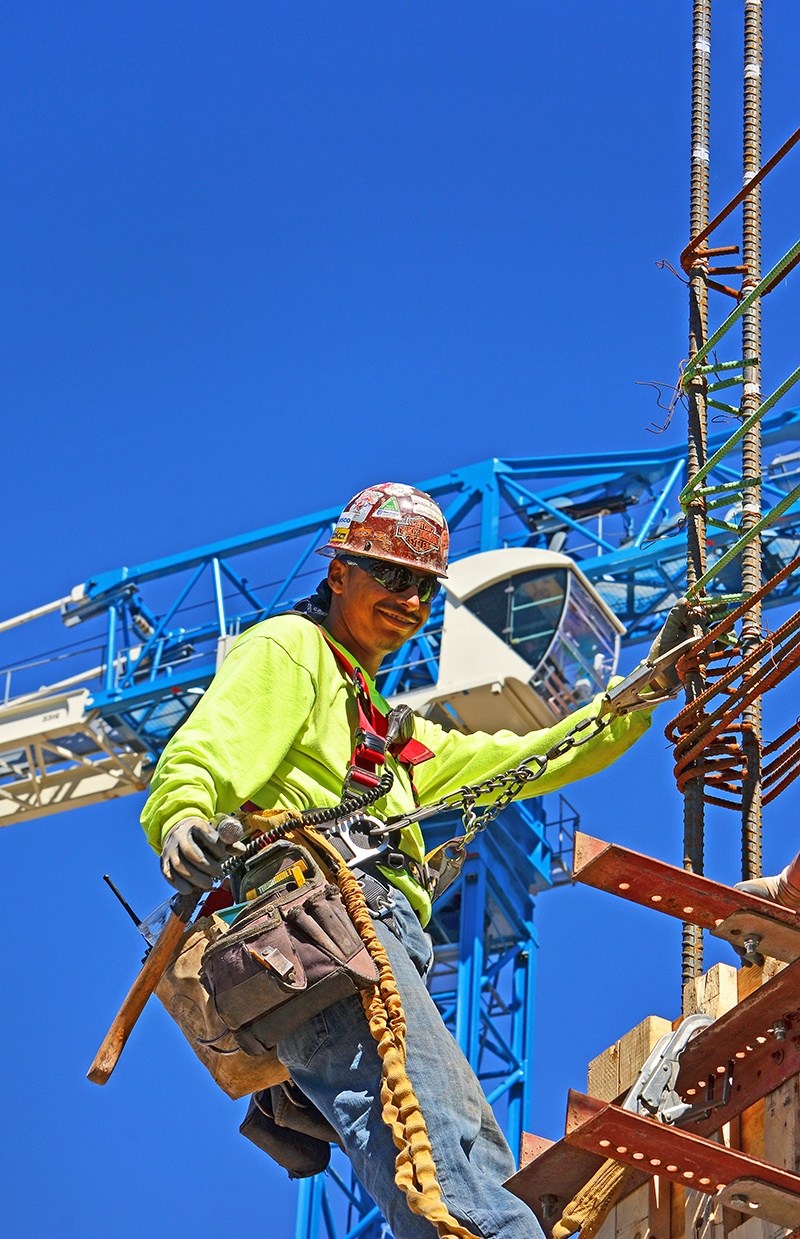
(678, 627)
(778, 888)
(192, 855)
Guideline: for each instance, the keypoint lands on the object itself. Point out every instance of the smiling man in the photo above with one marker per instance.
(281, 727)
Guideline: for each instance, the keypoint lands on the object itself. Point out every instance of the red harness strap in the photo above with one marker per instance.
(369, 752)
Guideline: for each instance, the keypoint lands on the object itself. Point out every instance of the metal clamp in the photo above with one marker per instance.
(654, 1093)
(631, 693)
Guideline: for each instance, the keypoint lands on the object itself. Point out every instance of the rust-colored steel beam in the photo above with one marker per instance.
(725, 912)
(679, 1155)
(552, 1179)
(759, 1038)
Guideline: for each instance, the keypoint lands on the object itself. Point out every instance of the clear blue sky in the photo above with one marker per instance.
(254, 257)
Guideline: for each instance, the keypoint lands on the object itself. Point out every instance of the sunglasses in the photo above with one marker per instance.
(395, 577)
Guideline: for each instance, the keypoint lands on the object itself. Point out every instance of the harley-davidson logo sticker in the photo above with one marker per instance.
(419, 534)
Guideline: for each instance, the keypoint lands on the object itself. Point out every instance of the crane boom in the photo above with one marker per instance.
(155, 633)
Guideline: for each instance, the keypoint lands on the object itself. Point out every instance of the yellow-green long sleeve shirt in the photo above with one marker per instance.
(277, 726)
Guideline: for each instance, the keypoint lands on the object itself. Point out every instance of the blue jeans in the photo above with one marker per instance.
(334, 1060)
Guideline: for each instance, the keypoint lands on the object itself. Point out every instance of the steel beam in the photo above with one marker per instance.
(685, 1158)
(727, 913)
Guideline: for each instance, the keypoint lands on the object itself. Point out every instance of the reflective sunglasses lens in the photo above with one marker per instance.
(393, 577)
(428, 589)
(397, 578)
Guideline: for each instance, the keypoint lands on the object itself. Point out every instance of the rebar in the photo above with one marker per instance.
(751, 443)
(693, 820)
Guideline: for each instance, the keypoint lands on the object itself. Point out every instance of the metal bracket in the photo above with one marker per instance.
(754, 1198)
(753, 935)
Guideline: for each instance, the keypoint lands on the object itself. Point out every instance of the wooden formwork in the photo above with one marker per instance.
(654, 1206)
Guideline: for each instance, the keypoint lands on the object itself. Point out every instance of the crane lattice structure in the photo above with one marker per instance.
(156, 633)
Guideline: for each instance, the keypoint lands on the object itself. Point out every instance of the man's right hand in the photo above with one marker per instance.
(192, 855)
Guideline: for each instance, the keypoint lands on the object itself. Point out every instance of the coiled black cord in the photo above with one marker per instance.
(350, 804)
(310, 817)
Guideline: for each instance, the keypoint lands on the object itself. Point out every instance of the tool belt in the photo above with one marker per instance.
(291, 954)
(188, 1002)
(289, 1128)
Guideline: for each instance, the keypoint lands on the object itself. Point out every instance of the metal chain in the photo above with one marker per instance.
(511, 782)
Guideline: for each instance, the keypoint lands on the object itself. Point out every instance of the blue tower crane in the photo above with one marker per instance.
(144, 643)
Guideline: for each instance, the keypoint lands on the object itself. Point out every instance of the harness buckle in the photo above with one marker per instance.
(358, 777)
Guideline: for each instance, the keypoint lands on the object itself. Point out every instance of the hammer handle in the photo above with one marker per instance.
(152, 971)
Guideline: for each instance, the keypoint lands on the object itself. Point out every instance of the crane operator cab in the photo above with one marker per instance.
(526, 640)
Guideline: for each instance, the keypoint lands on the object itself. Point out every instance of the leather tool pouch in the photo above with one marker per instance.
(291, 954)
(187, 1001)
(285, 1124)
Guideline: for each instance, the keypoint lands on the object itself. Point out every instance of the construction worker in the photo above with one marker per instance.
(276, 730)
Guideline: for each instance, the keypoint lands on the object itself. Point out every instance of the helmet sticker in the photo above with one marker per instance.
(373, 540)
(424, 506)
(341, 531)
(419, 534)
(361, 503)
(390, 508)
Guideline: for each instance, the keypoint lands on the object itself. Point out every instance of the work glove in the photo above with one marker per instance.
(192, 855)
(778, 888)
(678, 627)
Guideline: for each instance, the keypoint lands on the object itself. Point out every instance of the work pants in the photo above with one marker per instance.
(334, 1060)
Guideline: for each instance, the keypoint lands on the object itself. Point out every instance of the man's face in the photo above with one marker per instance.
(377, 619)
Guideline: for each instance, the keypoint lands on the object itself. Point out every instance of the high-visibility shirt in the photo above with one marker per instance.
(277, 727)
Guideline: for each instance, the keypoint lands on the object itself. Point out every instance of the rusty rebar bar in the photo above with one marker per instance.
(693, 815)
(688, 255)
(751, 443)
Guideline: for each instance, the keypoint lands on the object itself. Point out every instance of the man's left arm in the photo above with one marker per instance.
(464, 759)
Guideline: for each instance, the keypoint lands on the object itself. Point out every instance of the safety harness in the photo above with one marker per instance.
(369, 751)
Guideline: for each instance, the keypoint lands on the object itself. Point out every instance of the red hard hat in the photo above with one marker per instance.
(394, 522)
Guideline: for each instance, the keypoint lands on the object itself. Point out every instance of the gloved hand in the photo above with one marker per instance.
(192, 855)
(678, 627)
(778, 888)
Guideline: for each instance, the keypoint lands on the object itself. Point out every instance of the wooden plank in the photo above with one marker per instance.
(751, 1229)
(636, 1047)
(751, 1131)
(782, 1135)
(603, 1075)
(782, 1126)
(632, 1215)
(713, 993)
(614, 1071)
(659, 1208)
